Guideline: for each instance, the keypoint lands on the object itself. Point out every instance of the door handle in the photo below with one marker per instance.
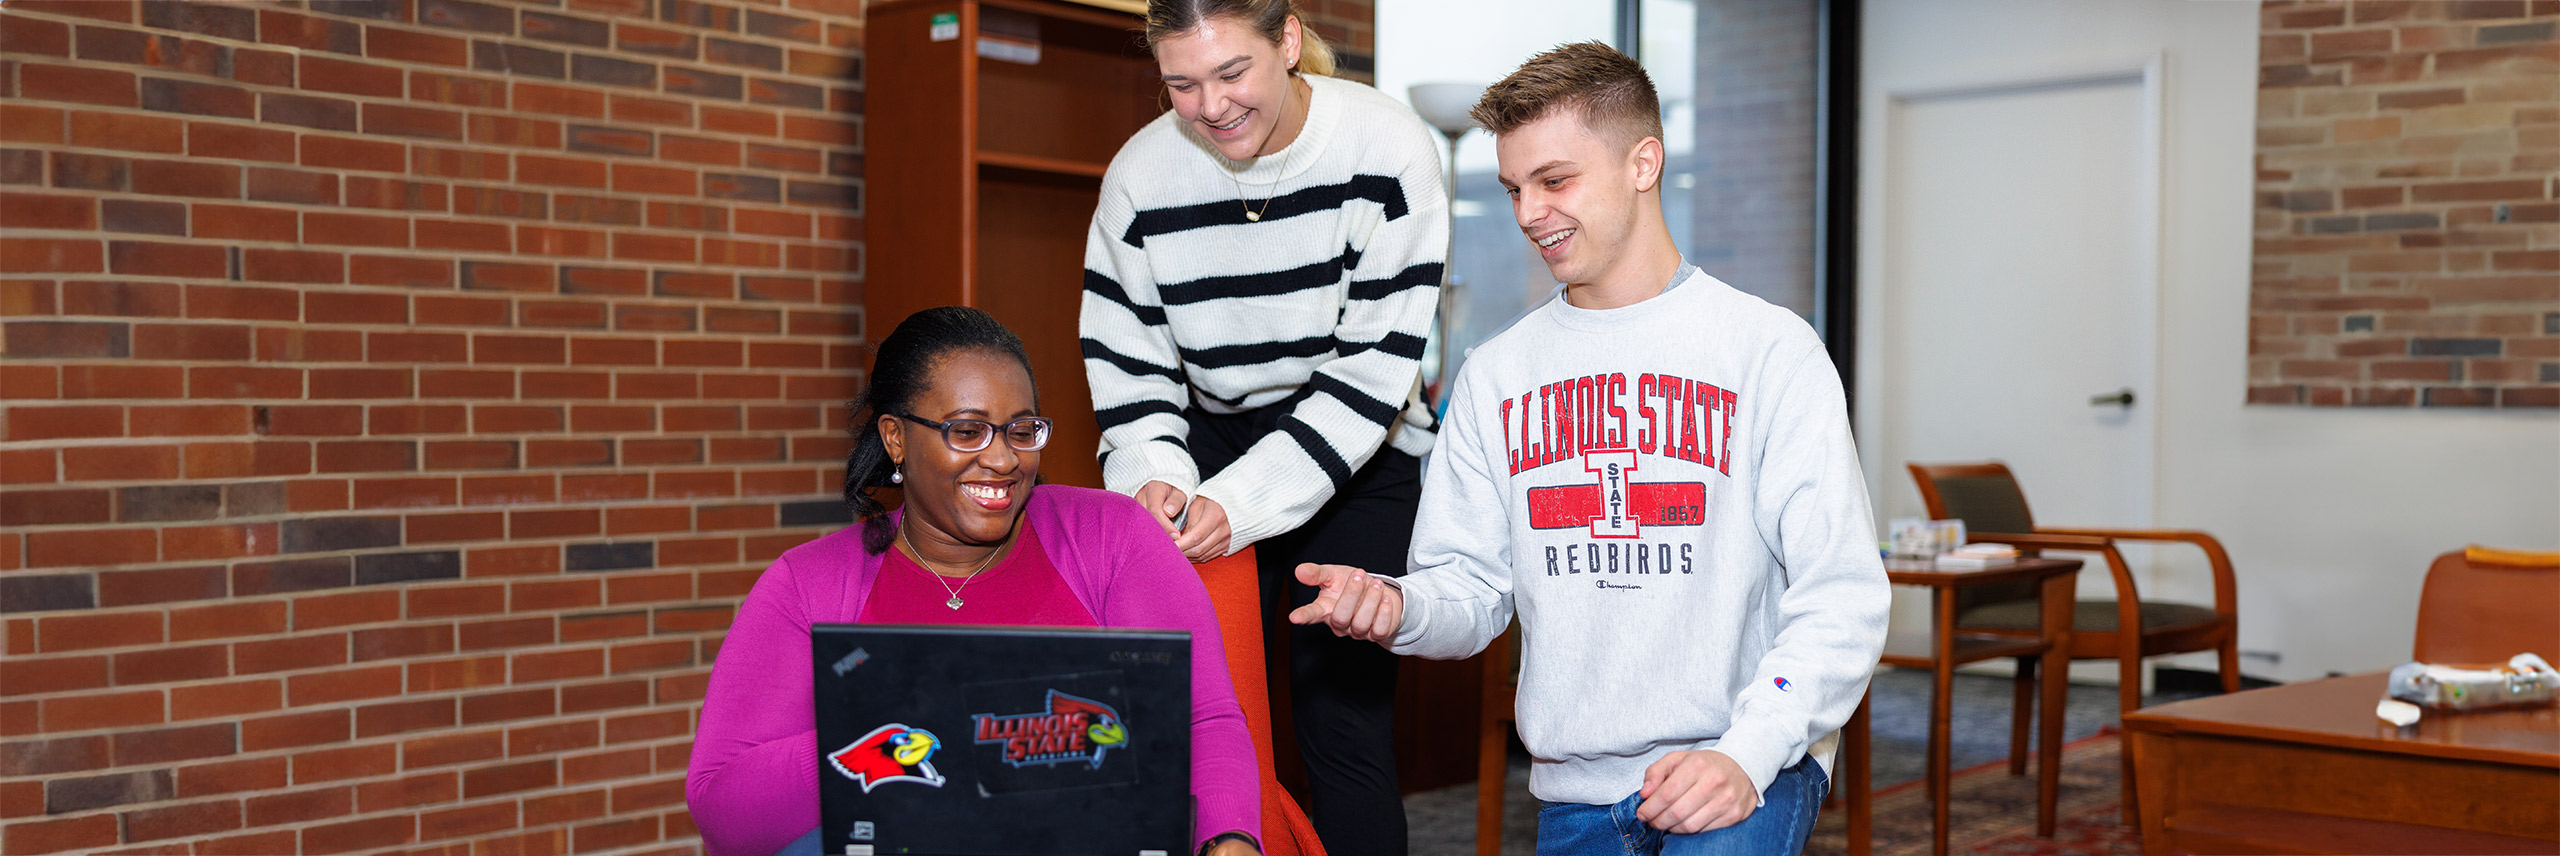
(2121, 398)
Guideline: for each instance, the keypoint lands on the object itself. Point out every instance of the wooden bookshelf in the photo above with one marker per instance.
(989, 126)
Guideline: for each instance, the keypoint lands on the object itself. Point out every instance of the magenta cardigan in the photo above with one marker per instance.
(753, 782)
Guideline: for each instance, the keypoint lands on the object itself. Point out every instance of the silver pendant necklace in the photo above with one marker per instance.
(955, 600)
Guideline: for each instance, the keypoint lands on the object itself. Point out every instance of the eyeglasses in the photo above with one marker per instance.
(1027, 434)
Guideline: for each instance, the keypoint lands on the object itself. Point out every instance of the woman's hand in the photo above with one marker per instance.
(1205, 533)
(1164, 503)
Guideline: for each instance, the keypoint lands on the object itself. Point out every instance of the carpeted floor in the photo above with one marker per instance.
(1442, 822)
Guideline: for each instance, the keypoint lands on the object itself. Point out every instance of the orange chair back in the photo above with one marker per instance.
(1235, 590)
(2483, 606)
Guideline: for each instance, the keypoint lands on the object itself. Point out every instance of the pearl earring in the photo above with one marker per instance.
(897, 476)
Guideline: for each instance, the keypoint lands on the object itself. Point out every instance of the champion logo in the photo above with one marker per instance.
(1782, 684)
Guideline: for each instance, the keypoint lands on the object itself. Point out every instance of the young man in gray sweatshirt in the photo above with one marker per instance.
(1655, 471)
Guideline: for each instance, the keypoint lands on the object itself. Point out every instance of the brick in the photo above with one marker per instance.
(508, 705)
(510, 778)
(690, 13)
(405, 272)
(320, 688)
(160, 585)
(57, 755)
(31, 36)
(566, 29)
(142, 216)
(745, 54)
(444, 749)
(291, 575)
(182, 743)
(416, 47)
(227, 620)
(99, 86)
(654, 40)
(102, 710)
(64, 796)
(67, 339)
(507, 633)
(225, 701)
(222, 777)
(91, 548)
(35, 676)
(704, 84)
(417, 790)
(519, 59)
(371, 833)
(37, 211)
(438, 675)
(172, 665)
(608, 71)
(70, 834)
(466, 820)
(301, 806)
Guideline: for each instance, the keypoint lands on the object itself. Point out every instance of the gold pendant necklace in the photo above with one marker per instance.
(1244, 202)
(1250, 215)
(955, 601)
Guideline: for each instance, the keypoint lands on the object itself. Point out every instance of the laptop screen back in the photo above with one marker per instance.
(1002, 741)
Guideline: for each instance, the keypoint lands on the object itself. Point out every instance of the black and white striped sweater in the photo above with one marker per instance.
(1321, 306)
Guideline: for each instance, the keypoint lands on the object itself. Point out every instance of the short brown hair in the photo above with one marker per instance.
(1610, 91)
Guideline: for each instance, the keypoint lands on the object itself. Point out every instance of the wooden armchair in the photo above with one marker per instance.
(1987, 498)
(2482, 606)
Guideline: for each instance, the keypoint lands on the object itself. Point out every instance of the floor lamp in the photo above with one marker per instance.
(1446, 107)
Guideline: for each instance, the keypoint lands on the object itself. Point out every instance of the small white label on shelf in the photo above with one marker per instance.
(946, 26)
(1009, 49)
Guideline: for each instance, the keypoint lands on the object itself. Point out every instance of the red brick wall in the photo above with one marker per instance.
(400, 396)
(1350, 27)
(2408, 237)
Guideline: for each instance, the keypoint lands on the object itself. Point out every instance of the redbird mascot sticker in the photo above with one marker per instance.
(890, 753)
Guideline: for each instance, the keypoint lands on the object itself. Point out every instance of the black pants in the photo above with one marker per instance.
(1341, 691)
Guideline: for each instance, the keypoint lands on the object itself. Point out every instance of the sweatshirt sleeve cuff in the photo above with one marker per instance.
(1761, 751)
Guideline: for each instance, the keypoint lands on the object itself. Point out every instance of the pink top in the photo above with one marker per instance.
(1024, 589)
(753, 786)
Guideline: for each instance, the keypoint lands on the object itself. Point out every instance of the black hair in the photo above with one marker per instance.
(900, 371)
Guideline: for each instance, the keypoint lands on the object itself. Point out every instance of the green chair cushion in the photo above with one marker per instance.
(2086, 615)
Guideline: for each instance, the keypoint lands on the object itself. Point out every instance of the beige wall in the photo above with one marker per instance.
(2331, 515)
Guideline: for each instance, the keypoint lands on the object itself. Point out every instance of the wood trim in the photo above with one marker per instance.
(1035, 163)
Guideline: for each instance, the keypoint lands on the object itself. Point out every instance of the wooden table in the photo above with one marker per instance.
(2308, 768)
(1941, 650)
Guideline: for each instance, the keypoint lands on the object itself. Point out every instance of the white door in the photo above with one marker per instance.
(2018, 283)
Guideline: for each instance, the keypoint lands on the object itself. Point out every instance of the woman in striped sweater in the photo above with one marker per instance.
(1261, 273)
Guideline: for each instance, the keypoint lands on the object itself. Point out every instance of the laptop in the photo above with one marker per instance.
(948, 740)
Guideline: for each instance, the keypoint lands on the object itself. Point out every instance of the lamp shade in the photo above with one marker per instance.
(1445, 105)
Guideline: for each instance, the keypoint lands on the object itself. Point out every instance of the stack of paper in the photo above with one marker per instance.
(1978, 555)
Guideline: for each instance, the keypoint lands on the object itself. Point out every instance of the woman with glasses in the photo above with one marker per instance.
(951, 418)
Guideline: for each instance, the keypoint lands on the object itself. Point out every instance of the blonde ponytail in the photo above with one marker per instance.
(1314, 56)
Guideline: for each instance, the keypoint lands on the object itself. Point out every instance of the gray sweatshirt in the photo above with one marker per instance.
(1668, 495)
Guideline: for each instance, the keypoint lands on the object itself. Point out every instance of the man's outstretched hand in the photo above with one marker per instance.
(1352, 602)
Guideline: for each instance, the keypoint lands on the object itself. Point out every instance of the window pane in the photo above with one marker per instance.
(1494, 273)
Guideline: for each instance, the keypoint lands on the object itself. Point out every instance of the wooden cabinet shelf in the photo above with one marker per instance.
(1033, 163)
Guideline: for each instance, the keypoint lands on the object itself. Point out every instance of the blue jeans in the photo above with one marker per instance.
(1780, 826)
